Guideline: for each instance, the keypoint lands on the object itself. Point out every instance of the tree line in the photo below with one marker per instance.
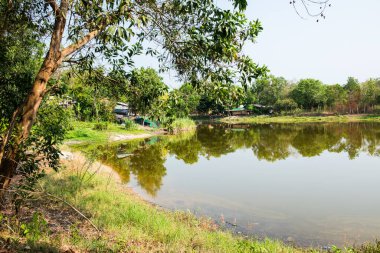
(285, 97)
(147, 94)
(313, 95)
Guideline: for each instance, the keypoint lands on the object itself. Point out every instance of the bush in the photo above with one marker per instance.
(44, 140)
(180, 125)
(101, 126)
(130, 124)
(376, 109)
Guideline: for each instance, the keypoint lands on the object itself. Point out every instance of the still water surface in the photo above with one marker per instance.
(314, 184)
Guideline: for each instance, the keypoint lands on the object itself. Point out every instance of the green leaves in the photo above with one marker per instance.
(195, 37)
(240, 4)
(204, 42)
(309, 93)
(145, 88)
(35, 229)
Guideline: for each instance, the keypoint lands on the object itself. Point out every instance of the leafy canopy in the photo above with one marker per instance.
(198, 39)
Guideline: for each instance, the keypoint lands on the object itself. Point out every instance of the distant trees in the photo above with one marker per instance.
(218, 97)
(306, 95)
(269, 90)
(370, 92)
(95, 92)
(183, 101)
(352, 88)
(285, 105)
(148, 95)
(335, 97)
(309, 94)
(145, 87)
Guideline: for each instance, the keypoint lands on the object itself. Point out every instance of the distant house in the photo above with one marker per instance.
(264, 109)
(239, 111)
(121, 111)
(146, 122)
(65, 101)
(253, 109)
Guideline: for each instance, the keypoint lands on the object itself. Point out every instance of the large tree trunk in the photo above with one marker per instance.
(29, 108)
(25, 122)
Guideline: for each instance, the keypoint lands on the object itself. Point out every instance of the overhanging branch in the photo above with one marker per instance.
(78, 45)
(53, 4)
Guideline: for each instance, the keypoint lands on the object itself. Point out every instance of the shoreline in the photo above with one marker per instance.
(299, 119)
(84, 132)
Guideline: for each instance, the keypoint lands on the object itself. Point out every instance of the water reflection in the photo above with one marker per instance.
(146, 159)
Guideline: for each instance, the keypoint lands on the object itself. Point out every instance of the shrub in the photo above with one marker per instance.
(35, 229)
(180, 125)
(130, 124)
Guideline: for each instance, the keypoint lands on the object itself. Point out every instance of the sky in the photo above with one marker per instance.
(346, 43)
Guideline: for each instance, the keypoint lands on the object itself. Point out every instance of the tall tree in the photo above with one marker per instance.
(369, 94)
(146, 86)
(269, 90)
(336, 97)
(309, 93)
(353, 92)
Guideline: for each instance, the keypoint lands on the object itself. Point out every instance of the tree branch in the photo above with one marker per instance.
(53, 4)
(78, 45)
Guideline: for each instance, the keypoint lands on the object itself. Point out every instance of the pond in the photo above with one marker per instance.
(311, 184)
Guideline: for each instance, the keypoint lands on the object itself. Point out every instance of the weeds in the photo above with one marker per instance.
(35, 229)
(180, 125)
(100, 126)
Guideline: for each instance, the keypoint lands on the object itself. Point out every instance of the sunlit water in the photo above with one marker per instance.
(312, 184)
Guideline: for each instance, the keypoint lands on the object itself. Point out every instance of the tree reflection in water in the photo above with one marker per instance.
(272, 142)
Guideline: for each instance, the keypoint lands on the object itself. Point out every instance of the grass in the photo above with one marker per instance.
(95, 132)
(300, 119)
(182, 125)
(85, 131)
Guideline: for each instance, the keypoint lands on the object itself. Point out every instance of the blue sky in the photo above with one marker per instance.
(346, 43)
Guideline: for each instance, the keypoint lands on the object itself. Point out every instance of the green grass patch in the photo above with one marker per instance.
(90, 131)
(300, 119)
(181, 125)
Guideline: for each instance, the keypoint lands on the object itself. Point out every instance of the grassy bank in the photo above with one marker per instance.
(101, 132)
(300, 119)
(126, 223)
(89, 131)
